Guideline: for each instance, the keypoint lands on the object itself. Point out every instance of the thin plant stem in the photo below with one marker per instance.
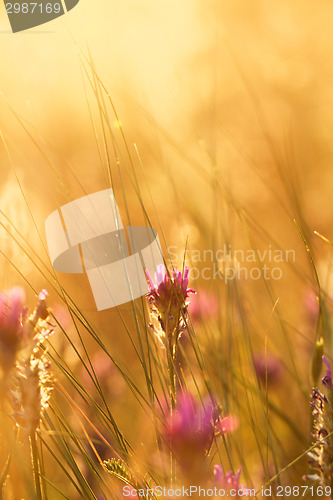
(171, 355)
(35, 465)
(172, 376)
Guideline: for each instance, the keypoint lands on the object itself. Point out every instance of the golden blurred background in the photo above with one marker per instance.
(227, 108)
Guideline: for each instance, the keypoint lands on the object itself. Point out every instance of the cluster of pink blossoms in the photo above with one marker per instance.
(191, 428)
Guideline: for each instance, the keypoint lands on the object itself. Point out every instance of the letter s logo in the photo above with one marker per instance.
(25, 14)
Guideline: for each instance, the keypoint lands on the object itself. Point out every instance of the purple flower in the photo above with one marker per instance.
(229, 482)
(269, 367)
(16, 329)
(11, 303)
(327, 379)
(203, 306)
(166, 288)
(227, 479)
(227, 424)
(190, 428)
(11, 328)
(168, 300)
(189, 433)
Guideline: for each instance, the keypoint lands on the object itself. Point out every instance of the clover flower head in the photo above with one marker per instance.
(12, 314)
(268, 368)
(166, 286)
(168, 300)
(190, 427)
(227, 424)
(190, 430)
(230, 481)
(188, 433)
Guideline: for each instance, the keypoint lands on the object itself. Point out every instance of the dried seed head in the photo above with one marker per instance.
(321, 457)
(32, 380)
(31, 391)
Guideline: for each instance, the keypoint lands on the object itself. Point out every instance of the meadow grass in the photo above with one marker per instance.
(116, 415)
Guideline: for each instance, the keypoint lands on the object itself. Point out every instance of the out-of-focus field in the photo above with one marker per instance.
(230, 106)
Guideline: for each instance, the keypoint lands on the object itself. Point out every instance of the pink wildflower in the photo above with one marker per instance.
(16, 328)
(230, 482)
(189, 433)
(267, 366)
(11, 329)
(228, 424)
(166, 287)
(203, 306)
(168, 299)
(190, 430)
